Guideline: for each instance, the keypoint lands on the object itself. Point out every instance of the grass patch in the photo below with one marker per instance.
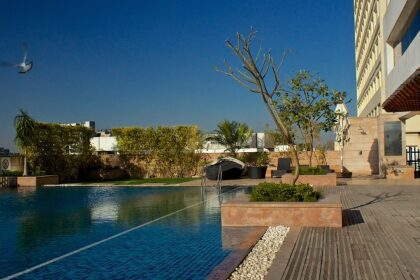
(284, 193)
(128, 182)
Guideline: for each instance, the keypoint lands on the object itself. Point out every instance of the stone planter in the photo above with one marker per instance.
(327, 180)
(36, 181)
(326, 212)
(256, 172)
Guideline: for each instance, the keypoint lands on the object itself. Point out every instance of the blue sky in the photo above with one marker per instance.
(147, 63)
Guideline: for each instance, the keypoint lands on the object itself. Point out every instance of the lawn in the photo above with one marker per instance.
(163, 181)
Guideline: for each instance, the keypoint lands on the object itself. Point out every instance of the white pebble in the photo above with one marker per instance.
(259, 260)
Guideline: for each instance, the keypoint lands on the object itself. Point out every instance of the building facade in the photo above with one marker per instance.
(104, 143)
(257, 142)
(387, 48)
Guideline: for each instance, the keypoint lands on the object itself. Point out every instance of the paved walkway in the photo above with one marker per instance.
(380, 239)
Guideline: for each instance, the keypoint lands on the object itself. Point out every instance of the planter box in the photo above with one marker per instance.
(256, 172)
(327, 212)
(327, 180)
(36, 181)
(8, 181)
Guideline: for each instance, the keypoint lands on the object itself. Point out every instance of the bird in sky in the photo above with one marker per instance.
(25, 66)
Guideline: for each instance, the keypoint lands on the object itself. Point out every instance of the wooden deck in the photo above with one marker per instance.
(380, 239)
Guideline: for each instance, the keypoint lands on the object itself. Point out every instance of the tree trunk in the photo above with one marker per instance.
(295, 158)
(311, 148)
(286, 133)
(310, 157)
(25, 166)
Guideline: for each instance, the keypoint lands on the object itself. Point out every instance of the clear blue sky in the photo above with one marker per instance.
(143, 63)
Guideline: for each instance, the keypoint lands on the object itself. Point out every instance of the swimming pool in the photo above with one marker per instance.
(111, 232)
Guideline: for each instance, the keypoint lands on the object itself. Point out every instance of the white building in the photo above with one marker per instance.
(104, 142)
(387, 47)
(401, 25)
(258, 141)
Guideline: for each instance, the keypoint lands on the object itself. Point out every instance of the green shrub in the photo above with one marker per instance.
(38, 172)
(61, 150)
(305, 192)
(10, 173)
(284, 192)
(263, 159)
(311, 171)
(163, 151)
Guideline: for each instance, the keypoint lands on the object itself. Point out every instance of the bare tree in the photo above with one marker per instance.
(255, 74)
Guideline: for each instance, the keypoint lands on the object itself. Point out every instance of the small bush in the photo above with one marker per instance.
(37, 172)
(312, 171)
(10, 173)
(284, 192)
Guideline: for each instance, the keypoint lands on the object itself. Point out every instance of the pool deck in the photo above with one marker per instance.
(380, 238)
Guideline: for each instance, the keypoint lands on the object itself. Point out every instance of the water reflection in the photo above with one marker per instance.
(37, 229)
(56, 212)
(43, 223)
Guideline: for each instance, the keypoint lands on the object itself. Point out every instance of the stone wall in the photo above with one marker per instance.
(359, 164)
(107, 174)
(360, 154)
(327, 180)
(15, 163)
(364, 154)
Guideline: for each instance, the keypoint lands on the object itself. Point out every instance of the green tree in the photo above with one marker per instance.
(260, 74)
(25, 131)
(233, 135)
(62, 150)
(163, 151)
(307, 104)
(136, 145)
(273, 137)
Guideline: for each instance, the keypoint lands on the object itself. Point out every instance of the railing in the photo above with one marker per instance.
(218, 182)
(219, 178)
(413, 159)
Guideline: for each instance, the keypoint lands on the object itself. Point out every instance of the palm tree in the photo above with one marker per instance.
(25, 128)
(232, 135)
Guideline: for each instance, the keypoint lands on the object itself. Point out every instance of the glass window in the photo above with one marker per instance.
(393, 138)
(411, 32)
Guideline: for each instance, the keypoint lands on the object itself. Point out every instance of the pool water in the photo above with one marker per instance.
(39, 225)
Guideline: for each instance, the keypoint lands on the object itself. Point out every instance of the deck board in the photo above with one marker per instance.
(380, 239)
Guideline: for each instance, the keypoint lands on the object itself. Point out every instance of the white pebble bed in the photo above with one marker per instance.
(256, 264)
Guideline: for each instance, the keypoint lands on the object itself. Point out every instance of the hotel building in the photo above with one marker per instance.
(387, 45)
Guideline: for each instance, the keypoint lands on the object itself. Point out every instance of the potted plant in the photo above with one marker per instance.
(258, 167)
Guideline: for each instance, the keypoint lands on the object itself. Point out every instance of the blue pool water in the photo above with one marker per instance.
(41, 224)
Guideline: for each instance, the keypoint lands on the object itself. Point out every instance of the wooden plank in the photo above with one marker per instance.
(381, 239)
(280, 262)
